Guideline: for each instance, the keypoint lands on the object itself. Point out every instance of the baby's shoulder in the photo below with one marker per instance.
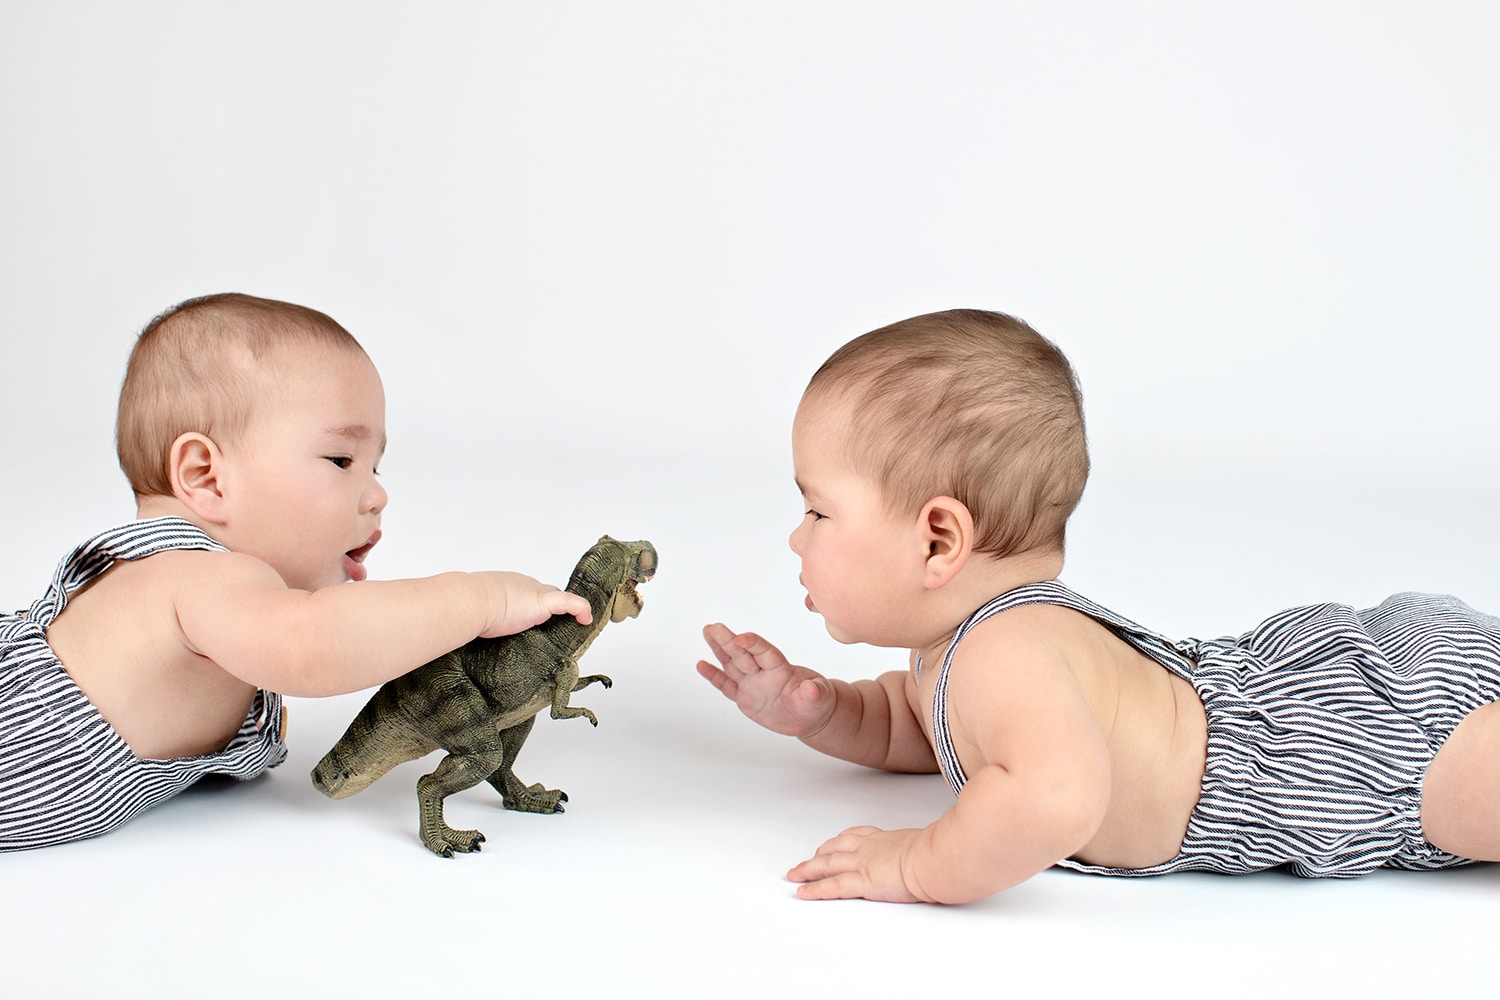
(1020, 638)
(1039, 642)
(179, 564)
(179, 575)
(174, 562)
(1035, 627)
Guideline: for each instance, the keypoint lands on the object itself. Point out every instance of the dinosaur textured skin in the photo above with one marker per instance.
(480, 701)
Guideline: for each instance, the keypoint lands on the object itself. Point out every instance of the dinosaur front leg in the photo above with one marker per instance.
(584, 682)
(517, 795)
(454, 774)
(567, 681)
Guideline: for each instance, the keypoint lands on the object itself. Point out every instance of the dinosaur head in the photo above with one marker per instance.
(638, 562)
(608, 574)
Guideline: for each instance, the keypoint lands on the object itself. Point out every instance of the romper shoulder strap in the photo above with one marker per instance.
(132, 540)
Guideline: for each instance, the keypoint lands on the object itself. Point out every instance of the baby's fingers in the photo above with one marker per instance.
(718, 637)
(750, 648)
(833, 856)
(741, 653)
(565, 602)
(845, 885)
(832, 873)
(718, 679)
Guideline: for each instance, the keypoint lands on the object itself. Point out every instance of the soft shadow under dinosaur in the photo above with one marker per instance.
(480, 701)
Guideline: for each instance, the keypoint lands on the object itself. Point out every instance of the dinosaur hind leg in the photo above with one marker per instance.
(516, 794)
(455, 773)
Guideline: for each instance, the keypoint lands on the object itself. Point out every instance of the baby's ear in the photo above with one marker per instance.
(948, 530)
(195, 465)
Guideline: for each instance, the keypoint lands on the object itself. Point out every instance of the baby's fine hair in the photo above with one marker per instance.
(969, 404)
(192, 369)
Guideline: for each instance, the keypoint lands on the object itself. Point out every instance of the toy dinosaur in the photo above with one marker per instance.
(479, 703)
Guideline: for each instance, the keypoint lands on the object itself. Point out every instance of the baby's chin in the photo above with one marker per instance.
(853, 638)
(841, 635)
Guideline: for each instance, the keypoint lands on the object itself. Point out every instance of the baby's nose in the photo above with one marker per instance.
(376, 498)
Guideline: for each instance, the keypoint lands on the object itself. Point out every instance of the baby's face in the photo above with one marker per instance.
(302, 488)
(857, 557)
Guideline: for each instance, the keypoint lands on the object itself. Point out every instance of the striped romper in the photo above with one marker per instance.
(65, 774)
(1321, 724)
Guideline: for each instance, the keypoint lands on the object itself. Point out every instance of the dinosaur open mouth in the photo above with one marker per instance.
(628, 602)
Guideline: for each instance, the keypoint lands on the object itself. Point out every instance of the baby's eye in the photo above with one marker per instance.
(815, 515)
(342, 461)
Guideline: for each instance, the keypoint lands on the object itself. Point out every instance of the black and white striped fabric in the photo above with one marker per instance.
(65, 774)
(1321, 723)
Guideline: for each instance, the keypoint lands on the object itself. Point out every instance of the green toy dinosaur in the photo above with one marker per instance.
(479, 703)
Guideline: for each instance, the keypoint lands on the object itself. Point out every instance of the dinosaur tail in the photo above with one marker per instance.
(377, 740)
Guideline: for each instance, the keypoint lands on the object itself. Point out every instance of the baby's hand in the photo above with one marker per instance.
(517, 602)
(785, 698)
(863, 862)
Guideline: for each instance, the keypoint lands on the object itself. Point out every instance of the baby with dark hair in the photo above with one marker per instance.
(250, 431)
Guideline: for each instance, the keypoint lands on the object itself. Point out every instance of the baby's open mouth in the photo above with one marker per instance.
(354, 559)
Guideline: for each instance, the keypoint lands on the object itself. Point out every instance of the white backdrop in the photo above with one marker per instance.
(596, 249)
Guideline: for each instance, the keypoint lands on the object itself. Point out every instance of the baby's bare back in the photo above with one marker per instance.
(119, 642)
(1157, 734)
(1085, 700)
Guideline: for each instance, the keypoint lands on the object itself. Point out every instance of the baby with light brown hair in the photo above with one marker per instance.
(939, 460)
(251, 431)
(1004, 435)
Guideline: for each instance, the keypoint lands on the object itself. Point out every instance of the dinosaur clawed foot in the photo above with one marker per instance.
(535, 798)
(436, 835)
(445, 841)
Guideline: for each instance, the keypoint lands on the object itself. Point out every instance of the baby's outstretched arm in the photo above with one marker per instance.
(349, 636)
(867, 722)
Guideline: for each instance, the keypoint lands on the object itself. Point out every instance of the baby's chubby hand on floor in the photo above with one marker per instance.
(863, 862)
